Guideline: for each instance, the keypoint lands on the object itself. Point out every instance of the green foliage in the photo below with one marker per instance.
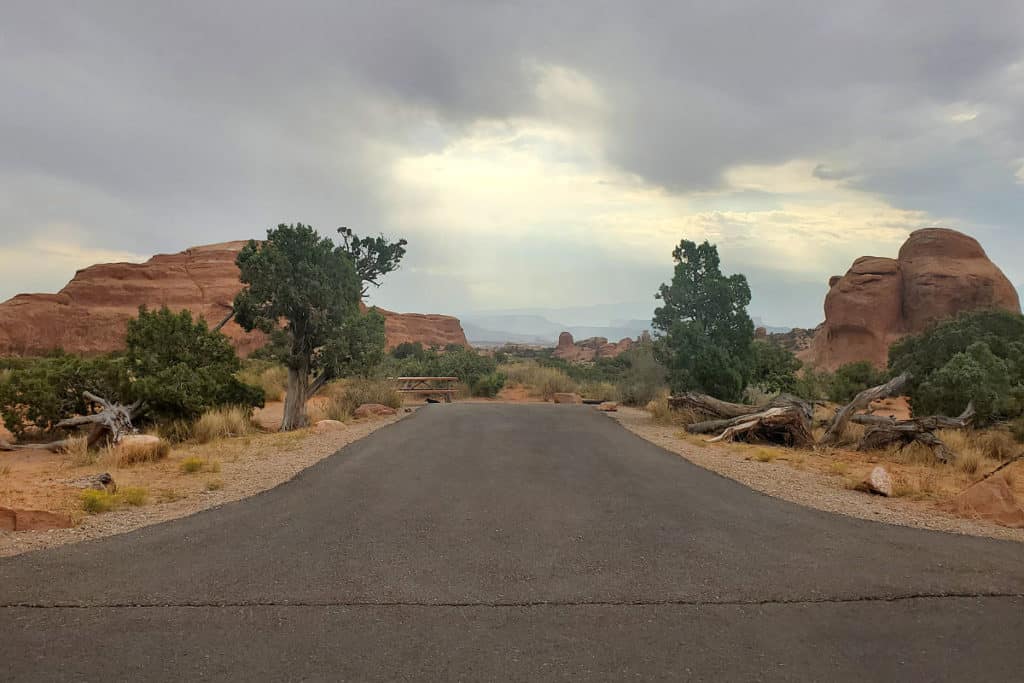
(775, 368)
(95, 502)
(373, 257)
(454, 361)
(181, 368)
(408, 350)
(976, 357)
(707, 334)
(39, 392)
(812, 385)
(853, 378)
(488, 386)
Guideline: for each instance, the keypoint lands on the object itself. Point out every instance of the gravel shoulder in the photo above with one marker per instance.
(809, 488)
(247, 466)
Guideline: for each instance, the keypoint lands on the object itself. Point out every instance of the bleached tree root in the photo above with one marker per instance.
(838, 427)
(784, 425)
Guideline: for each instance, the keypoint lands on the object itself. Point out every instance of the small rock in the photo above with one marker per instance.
(369, 409)
(100, 482)
(608, 407)
(567, 398)
(328, 426)
(878, 482)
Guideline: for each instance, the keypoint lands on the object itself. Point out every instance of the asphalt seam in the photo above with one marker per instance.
(519, 604)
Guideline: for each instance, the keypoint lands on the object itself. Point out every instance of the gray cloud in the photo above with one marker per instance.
(150, 126)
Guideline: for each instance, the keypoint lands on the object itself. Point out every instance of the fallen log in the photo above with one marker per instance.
(702, 404)
(786, 426)
(885, 432)
(835, 432)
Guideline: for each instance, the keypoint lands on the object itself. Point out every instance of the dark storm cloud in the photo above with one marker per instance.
(153, 125)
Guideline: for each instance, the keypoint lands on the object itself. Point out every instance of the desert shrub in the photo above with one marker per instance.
(599, 391)
(489, 385)
(95, 502)
(175, 431)
(542, 382)
(39, 392)
(192, 465)
(812, 385)
(130, 453)
(853, 378)
(975, 357)
(408, 350)
(269, 376)
(222, 423)
(132, 495)
(181, 368)
(452, 361)
(359, 391)
(775, 368)
(643, 377)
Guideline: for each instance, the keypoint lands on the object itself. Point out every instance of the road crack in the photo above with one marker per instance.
(515, 604)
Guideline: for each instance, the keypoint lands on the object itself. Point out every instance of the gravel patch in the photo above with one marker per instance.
(269, 460)
(808, 488)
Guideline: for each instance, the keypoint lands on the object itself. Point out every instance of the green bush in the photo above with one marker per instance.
(853, 378)
(270, 376)
(181, 368)
(975, 357)
(454, 361)
(39, 392)
(489, 385)
(599, 391)
(643, 377)
(775, 368)
(95, 502)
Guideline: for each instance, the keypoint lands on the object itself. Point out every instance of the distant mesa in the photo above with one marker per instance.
(939, 273)
(589, 349)
(90, 314)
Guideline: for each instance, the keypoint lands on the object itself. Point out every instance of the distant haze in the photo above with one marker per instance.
(537, 156)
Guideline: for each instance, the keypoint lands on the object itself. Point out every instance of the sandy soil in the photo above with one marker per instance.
(234, 468)
(816, 480)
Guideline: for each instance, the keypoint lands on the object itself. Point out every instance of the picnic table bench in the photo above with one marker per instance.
(428, 386)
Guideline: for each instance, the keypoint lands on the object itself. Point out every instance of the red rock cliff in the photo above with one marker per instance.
(939, 273)
(90, 314)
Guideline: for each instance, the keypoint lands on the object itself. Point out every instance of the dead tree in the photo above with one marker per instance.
(838, 427)
(786, 426)
(885, 432)
(113, 421)
(785, 421)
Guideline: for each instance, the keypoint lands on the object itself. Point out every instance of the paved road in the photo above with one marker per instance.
(487, 542)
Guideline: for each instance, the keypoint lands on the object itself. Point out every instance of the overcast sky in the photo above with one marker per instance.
(533, 154)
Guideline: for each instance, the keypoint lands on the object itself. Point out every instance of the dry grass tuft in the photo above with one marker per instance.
(765, 454)
(132, 495)
(222, 423)
(214, 485)
(663, 414)
(78, 452)
(131, 453)
(270, 377)
(540, 382)
(998, 444)
(192, 465)
(599, 391)
(357, 392)
(5, 470)
(838, 468)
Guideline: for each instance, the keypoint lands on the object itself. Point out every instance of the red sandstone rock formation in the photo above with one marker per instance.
(589, 349)
(90, 314)
(939, 273)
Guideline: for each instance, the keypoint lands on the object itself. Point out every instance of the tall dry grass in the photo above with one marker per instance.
(270, 377)
(599, 391)
(540, 382)
(356, 392)
(129, 453)
(222, 423)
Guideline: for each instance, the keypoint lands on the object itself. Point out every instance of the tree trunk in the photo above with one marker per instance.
(861, 401)
(783, 425)
(295, 416)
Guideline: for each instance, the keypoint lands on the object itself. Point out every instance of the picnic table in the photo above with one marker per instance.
(428, 386)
